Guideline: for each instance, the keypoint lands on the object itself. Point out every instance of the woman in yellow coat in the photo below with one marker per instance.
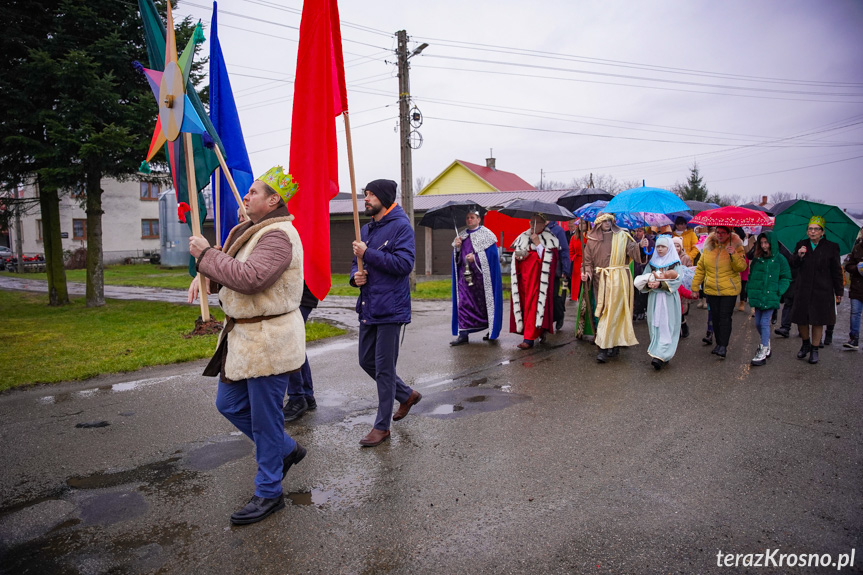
(718, 274)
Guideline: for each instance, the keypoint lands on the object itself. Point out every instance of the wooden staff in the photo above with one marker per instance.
(353, 184)
(231, 181)
(218, 208)
(196, 219)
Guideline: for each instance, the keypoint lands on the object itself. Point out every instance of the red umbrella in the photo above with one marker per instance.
(733, 216)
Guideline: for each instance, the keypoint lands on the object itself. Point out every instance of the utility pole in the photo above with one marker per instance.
(19, 251)
(405, 130)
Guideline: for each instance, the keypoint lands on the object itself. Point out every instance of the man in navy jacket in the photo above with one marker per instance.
(387, 250)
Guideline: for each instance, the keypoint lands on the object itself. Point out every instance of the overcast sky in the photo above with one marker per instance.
(766, 95)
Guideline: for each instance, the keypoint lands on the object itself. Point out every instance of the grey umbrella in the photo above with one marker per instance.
(574, 199)
(528, 208)
(697, 207)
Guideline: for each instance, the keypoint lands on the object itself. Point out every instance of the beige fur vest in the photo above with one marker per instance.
(271, 346)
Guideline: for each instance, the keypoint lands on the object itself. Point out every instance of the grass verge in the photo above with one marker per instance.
(41, 344)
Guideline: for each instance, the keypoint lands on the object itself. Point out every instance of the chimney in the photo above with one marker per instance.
(489, 162)
(763, 201)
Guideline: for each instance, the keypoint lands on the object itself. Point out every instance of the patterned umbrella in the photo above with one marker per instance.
(734, 216)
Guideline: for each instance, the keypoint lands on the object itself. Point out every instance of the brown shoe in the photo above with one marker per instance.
(405, 407)
(741, 306)
(375, 437)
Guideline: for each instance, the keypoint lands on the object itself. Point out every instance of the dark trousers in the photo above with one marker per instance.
(786, 313)
(300, 382)
(559, 301)
(722, 309)
(379, 352)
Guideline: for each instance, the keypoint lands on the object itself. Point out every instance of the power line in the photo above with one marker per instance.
(790, 169)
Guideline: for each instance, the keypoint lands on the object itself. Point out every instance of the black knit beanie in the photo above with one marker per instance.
(384, 190)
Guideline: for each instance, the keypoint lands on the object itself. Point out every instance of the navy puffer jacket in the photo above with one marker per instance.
(386, 297)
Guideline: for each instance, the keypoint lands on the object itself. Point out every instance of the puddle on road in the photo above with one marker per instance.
(316, 497)
(316, 351)
(215, 455)
(339, 493)
(466, 401)
(351, 422)
(150, 473)
(117, 387)
(110, 508)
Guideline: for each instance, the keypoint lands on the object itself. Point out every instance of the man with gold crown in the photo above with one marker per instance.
(607, 254)
(258, 275)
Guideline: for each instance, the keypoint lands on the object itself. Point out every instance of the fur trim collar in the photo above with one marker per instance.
(710, 243)
(235, 243)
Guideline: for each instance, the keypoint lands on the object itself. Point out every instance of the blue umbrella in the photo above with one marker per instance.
(588, 212)
(644, 199)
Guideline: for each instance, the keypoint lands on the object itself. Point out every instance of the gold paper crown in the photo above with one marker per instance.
(283, 183)
(818, 221)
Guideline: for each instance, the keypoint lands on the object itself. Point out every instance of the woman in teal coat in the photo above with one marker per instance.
(769, 278)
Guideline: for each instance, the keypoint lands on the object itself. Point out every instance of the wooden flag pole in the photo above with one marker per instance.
(231, 181)
(218, 207)
(353, 183)
(196, 219)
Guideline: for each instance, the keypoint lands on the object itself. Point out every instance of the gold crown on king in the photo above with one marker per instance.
(283, 183)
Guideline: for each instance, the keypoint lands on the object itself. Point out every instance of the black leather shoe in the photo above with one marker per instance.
(656, 363)
(256, 509)
(613, 352)
(559, 325)
(458, 341)
(720, 351)
(602, 356)
(684, 330)
(708, 339)
(294, 456)
(311, 404)
(782, 331)
(295, 408)
(804, 349)
(813, 355)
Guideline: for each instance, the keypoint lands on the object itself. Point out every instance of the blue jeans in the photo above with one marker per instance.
(254, 406)
(762, 324)
(856, 309)
(300, 382)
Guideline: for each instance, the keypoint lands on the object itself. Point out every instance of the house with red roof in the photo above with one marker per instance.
(462, 177)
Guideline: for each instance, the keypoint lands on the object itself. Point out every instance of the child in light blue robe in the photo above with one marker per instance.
(660, 280)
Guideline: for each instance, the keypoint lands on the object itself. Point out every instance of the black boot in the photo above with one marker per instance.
(813, 355)
(708, 339)
(656, 363)
(828, 336)
(804, 349)
(613, 352)
(602, 356)
(783, 331)
(684, 330)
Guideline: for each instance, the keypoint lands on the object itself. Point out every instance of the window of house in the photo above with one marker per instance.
(149, 229)
(38, 230)
(149, 191)
(79, 229)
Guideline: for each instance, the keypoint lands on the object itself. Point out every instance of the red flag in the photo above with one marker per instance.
(319, 96)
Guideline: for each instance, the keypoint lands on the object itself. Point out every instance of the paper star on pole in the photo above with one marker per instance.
(176, 113)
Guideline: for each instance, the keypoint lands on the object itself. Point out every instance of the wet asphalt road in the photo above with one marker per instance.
(514, 462)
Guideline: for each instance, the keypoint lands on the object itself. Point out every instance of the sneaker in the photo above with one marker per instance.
(311, 404)
(760, 356)
(852, 343)
(769, 351)
(295, 408)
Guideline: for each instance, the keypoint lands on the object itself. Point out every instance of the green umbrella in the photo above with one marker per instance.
(790, 225)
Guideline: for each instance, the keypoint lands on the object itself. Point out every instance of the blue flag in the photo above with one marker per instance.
(223, 114)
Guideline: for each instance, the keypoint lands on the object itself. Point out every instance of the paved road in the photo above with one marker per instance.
(514, 462)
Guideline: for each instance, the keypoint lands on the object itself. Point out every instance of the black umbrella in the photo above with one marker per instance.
(757, 208)
(529, 208)
(574, 199)
(780, 207)
(450, 215)
(697, 207)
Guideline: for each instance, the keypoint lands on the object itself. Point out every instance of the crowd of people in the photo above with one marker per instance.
(616, 276)
(623, 276)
